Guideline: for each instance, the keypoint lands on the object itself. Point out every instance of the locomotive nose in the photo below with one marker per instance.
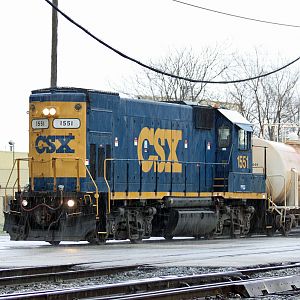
(43, 217)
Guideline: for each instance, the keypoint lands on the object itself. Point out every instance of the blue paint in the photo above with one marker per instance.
(114, 125)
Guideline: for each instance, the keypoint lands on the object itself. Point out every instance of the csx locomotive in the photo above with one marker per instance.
(106, 167)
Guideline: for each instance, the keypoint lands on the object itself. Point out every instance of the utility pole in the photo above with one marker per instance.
(53, 82)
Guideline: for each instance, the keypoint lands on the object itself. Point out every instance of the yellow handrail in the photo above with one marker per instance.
(53, 162)
(107, 184)
(17, 181)
(77, 159)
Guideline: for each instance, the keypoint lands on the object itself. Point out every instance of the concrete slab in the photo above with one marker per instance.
(179, 252)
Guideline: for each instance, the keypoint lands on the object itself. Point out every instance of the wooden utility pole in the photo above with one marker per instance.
(53, 82)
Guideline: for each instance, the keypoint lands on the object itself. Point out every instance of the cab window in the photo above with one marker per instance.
(243, 139)
(223, 137)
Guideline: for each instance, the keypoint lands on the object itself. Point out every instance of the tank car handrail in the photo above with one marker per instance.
(280, 210)
(284, 184)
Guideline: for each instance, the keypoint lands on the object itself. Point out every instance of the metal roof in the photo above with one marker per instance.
(236, 118)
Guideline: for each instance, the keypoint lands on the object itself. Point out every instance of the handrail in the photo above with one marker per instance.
(53, 162)
(284, 184)
(17, 181)
(197, 164)
(282, 210)
(107, 184)
(77, 159)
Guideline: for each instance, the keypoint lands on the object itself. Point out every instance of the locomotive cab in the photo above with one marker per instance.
(233, 172)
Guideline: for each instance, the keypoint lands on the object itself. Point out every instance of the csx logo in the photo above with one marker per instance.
(48, 144)
(159, 139)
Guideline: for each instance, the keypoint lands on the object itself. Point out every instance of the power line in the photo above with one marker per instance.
(160, 71)
(236, 16)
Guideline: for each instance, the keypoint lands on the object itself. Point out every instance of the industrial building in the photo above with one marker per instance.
(8, 177)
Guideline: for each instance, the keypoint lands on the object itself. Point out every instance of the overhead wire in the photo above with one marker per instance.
(236, 16)
(125, 56)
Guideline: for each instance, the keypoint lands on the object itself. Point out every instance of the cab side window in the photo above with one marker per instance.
(223, 137)
(243, 139)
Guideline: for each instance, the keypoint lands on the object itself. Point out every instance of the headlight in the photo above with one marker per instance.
(46, 111)
(24, 202)
(71, 203)
(52, 111)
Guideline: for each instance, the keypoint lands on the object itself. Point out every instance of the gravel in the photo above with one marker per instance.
(144, 273)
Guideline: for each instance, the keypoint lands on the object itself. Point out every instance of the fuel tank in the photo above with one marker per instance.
(191, 217)
(281, 161)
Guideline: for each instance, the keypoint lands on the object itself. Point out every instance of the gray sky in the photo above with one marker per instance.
(143, 29)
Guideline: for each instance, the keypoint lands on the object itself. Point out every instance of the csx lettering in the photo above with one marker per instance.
(48, 144)
(159, 139)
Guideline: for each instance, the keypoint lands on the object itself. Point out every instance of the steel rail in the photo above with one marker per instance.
(9, 277)
(204, 284)
(243, 287)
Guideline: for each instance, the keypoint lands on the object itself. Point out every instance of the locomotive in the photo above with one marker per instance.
(105, 167)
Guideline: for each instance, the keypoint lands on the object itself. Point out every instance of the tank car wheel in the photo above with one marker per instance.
(209, 236)
(287, 226)
(270, 231)
(54, 243)
(283, 231)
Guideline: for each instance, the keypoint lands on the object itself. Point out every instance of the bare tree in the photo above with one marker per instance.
(203, 66)
(268, 101)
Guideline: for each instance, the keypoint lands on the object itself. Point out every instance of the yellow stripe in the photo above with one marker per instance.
(160, 195)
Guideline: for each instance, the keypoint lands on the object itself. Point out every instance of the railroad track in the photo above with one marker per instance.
(242, 282)
(58, 273)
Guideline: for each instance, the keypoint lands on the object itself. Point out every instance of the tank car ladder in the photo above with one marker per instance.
(285, 221)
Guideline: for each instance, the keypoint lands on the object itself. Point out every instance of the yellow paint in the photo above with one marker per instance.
(65, 164)
(160, 195)
(159, 139)
(242, 161)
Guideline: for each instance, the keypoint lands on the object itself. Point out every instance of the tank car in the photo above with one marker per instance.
(281, 162)
(106, 167)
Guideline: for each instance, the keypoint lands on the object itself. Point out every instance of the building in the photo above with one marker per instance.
(8, 177)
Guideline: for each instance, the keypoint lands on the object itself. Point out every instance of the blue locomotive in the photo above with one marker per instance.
(105, 167)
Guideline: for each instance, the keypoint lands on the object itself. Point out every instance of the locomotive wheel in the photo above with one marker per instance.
(54, 243)
(94, 240)
(136, 241)
(168, 237)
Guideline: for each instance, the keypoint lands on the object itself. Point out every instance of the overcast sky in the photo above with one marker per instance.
(143, 29)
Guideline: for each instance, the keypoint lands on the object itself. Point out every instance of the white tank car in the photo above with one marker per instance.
(282, 168)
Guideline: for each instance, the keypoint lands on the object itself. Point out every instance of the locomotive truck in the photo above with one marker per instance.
(105, 167)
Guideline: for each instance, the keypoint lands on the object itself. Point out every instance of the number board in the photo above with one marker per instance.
(66, 123)
(40, 123)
